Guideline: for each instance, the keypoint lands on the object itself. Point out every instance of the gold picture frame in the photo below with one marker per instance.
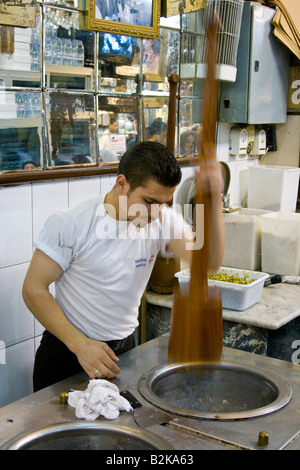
(128, 17)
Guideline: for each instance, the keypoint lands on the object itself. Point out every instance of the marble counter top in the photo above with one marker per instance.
(279, 304)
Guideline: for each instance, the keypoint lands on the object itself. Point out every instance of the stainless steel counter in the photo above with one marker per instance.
(43, 408)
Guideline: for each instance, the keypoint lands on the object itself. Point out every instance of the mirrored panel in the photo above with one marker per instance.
(66, 3)
(119, 63)
(193, 21)
(92, 114)
(118, 126)
(170, 22)
(69, 51)
(189, 126)
(187, 87)
(21, 129)
(155, 119)
(71, 128)
(160, 59)
(20, 55)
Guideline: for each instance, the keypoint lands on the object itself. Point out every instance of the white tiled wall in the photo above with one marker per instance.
(23, 211)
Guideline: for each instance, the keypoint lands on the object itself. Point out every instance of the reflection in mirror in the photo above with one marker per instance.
(71, 128)
(20, 129)
(189, 126)
(160, 59)
(129, 85)
(119, 63)
(171, 22)
(117, 85)
(118, 126)
(189, 141)
(67, 3)
(156, 119)
(69, 51)
(193, 21)
(20, 55)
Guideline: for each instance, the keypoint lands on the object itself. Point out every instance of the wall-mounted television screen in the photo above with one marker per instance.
(117, 48)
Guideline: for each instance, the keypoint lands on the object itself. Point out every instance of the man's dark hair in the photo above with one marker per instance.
(149, 161)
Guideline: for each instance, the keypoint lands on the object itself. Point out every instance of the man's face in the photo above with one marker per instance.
(189, 145)
(114, 127)
(146, 202)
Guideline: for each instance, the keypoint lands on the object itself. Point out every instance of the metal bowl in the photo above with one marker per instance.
(221, 391)
(88, 436)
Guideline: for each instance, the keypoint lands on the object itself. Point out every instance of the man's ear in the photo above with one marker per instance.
(122, 185)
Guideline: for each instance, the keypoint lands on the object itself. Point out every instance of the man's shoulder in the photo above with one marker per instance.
(82, 214)
(84, 208)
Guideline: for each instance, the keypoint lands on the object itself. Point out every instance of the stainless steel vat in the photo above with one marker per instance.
(217, 391)
(88, 436)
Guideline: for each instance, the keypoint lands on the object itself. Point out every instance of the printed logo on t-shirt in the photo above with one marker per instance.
(139, 263)
(151, 259)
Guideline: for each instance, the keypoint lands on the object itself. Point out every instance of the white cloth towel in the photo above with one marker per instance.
(291, 279)
(100, 398)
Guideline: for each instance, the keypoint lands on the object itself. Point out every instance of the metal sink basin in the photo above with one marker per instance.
(88, 436)
(220, 391)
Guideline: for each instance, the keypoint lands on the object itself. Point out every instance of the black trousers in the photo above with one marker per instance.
(55, 362)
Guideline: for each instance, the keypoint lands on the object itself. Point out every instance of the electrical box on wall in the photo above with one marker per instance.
(238, 142)
(259, 95)
(260, 143)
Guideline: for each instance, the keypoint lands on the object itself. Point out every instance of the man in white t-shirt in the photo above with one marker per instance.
(100, 255)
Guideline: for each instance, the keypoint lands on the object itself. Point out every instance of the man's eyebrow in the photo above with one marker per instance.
(151, 200)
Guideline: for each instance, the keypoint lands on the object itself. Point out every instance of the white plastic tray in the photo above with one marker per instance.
(234, 296)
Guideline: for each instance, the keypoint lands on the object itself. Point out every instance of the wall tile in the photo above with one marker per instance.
(15, 225)
(107, 183)
(37, 341)
(82, 189)
(16, 373)
(16, 322)
(47, 198)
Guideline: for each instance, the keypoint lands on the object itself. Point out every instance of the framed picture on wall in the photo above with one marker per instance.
(128, 17)
(18, 13)
(177, 7)
(154, 58)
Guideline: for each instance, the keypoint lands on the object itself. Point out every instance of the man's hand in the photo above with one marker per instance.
(211, 180)
(97, 359)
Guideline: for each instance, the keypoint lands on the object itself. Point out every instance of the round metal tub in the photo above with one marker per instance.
(221, 391)
(88, 436)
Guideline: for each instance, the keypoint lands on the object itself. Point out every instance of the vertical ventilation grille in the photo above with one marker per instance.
(229, 13)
